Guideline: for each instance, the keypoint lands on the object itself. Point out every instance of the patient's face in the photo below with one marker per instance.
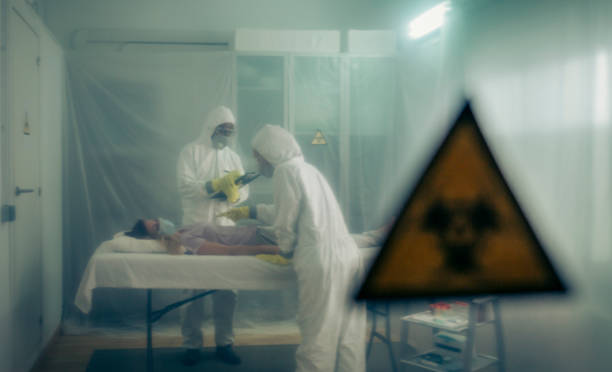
(152, 226)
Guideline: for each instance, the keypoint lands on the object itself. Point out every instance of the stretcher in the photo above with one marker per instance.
(148, 271)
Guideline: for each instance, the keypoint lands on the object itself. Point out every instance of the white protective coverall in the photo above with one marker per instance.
(308, 221)
(199, 162)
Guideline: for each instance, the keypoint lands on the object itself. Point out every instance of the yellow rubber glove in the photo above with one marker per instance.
(227, 185)
(236, 214)
(276, 259)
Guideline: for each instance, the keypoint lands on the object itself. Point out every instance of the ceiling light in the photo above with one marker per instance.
(429, 21)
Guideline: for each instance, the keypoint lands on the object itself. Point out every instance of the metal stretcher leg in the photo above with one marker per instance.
(384, 338)
(501, 358)
(372, 332)
(154, 316)
(149, 333)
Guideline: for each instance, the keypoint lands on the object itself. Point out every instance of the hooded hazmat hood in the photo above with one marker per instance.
(276, 144)
(216, 116)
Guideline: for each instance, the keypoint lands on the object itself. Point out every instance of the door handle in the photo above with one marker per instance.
(19, 191)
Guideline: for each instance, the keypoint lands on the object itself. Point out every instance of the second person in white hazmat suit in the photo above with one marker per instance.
(309, 226)
(206, 161)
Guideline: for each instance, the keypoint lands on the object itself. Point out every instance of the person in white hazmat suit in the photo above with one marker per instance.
(310, 228)
(205, 167)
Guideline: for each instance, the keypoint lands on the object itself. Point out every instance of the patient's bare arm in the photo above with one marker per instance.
(210, 248)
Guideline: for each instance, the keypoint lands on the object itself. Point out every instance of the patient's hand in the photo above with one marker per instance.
(173, 244)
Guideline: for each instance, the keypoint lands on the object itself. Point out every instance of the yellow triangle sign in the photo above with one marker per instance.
(319, 139)
(461, 231)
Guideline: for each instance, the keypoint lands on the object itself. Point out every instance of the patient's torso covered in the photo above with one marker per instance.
(192, 236)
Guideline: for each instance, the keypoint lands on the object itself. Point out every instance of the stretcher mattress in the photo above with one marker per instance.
(163, 271)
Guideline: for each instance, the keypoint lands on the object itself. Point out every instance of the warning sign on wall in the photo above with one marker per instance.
(319, 138)
(461, 231)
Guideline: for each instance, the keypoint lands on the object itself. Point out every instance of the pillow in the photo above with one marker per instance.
(126, 244)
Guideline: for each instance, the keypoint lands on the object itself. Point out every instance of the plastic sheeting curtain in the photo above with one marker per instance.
(544, 92)
(132, 113)
(539, 75)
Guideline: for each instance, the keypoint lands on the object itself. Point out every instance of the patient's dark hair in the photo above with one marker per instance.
(139, 231)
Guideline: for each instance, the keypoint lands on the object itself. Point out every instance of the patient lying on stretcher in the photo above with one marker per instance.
(205, 239)
(209, 239)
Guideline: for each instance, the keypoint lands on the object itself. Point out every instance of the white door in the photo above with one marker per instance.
(26, 252)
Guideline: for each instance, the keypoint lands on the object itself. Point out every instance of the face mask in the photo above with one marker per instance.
(166, 227)
(220, 141)
(266, 170)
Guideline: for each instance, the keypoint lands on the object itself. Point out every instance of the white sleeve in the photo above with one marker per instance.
(188, 185)
(266, 213)
(287, 199)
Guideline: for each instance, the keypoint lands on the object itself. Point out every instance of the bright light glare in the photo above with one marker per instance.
(428, 21)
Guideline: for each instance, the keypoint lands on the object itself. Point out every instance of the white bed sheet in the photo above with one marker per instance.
(162, 271)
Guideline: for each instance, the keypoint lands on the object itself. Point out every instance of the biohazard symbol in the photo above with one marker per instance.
(319, 138)
(461, 231)
(461, 227)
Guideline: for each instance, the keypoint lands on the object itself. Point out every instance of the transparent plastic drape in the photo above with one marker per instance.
(373, 164)
(133, 112)
(538, 74)
(543, 91)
